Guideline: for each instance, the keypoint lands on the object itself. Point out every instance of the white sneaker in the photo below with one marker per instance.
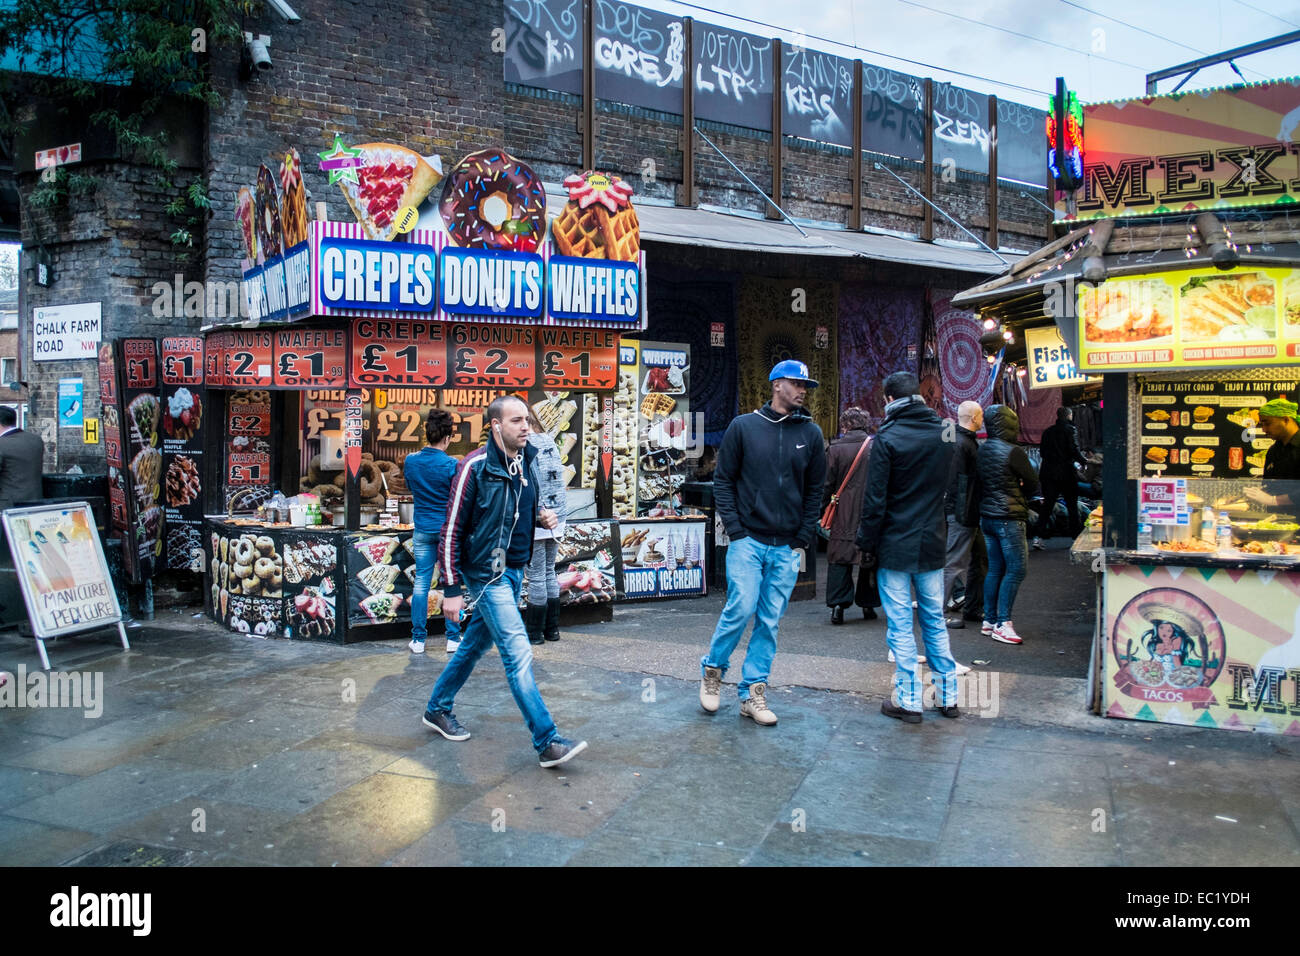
(961, 668)
(417, 647)
(986, 629)
(1006, 633)
(920, 658)
(453, 647)
(1037, 544)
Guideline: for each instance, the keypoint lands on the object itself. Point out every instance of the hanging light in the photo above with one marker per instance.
(990, 324)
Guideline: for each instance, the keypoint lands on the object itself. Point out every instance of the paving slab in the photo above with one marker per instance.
(818, 846)
(1058, 783)
(28, 843)
(297, 780)
(975, 835)
(104, 745)
(462, 843)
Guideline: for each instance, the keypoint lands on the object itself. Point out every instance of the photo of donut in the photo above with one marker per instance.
(598, 221)
(246, 212)
(491, 200)
(270, 235)
(391, 178)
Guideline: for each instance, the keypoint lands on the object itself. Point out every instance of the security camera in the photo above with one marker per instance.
(257, 50)
(286, 11)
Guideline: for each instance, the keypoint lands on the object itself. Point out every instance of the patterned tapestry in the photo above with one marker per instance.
(967, 375)
(770, 327)
(685, 312)
(877, 324)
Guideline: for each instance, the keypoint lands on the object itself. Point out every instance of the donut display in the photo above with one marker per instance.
(491, 200)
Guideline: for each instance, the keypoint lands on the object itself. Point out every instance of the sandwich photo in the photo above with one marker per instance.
(1201, 456)
(1157, 454)
(1202, 413)
(1291, 304)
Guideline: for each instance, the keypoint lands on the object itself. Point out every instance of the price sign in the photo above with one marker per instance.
(311, 358)
(398, 352)
(248, 359)
(182, 360)
(214, 359)
(248, 462)
(107, 375)
(584, 359)
(501, 356)
(140, 360)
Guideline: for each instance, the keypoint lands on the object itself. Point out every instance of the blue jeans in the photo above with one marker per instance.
(1008, 557)
(425, 544)
(896, 597)
(760, 578)
(496, 620)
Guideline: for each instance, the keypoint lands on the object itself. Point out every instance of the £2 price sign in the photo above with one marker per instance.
(498, 356)
(311, 358)
(248, 359)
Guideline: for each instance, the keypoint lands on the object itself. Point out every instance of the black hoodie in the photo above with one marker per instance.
(768, 482)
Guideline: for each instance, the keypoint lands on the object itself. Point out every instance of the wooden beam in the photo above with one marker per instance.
(689, 194)
(993, 173)
(927, 168)
(855, 168)
(777, 179)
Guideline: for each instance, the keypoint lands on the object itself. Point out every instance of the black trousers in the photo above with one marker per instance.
(973, 603)
(1053, 489)
(840, 591)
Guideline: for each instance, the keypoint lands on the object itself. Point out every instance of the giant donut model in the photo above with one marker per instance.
(493, 201)
(369, 485)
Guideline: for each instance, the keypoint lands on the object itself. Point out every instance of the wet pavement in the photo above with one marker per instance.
(218, 749)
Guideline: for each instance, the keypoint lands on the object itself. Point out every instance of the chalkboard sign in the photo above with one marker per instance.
(1022, 143)
(893, 112)
(639, 56)
(816, 95)
(733, 77)
(544, 44)
(961, 128)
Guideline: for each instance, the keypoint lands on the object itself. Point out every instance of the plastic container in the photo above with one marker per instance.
(1144, 538)
(1209, 527)
(1223, 532)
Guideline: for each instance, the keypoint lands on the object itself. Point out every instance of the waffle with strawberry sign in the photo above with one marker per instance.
(598, 221)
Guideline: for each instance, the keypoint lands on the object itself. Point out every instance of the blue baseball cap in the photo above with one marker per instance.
(793, 368)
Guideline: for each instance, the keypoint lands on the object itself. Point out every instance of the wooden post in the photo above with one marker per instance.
(777, 184)
(927, 170)
(689, 196)
(993, 172)
(855, 174)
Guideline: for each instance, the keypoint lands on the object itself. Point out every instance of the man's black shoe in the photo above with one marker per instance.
(898, 713)
(837, 615)
(560, 751)
(951, 711)
(977, 616)
(954, 623)
(447, 725)
(869, 613)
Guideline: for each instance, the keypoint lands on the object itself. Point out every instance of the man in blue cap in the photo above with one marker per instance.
(767, 489)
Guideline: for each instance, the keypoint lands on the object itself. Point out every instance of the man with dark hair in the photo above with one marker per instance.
(1059, 450)
(22, 457)
(487, 541)
(904, 533)
(767, 486)
(428, 473)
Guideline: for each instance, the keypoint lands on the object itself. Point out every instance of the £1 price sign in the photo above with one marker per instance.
(140, 362)
(585, 359)
(311, 358)
(398, 352)
(182, 360)
(497, 356)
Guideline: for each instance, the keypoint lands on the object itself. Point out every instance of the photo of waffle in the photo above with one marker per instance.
(146, 469)
(247, 498)
(308, 558)
(582, 540)
(555, 412)
(598, 221)
(668, 380)
(1236, 308)
(148, 530)
(653, 487)
(293, 206)
(1140, 310)
(312, 615)
(184, 548)
(182, 481)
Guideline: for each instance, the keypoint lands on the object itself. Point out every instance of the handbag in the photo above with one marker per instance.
(828, 516)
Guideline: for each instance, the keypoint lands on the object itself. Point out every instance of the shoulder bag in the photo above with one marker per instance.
(828, 516)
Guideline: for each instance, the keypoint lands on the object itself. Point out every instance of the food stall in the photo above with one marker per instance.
(356, 330)
(1193, 321)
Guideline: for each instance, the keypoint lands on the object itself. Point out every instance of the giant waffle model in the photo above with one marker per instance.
(598, 221)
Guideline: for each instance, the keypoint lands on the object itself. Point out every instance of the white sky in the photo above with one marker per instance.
(1100, 58)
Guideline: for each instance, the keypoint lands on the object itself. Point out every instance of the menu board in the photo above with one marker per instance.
(214, 359)
(1191, 318)
(663, 426)
(380, 578)
(311, 587)
(248, 359)
(1205, 429)
(397, 352)
(310, 358)
(588, 563)
(663, 559)
(247, 579)
(584, 359)
(111, 416)
(499, 356)
(141, 416)
(183, 405)
(248, 449)
(609, 436)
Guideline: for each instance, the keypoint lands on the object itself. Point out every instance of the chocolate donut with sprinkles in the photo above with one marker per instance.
(493, 201)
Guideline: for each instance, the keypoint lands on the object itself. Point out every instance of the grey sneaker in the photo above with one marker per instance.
(711, 689)
(756, 707)
(447, 725)
(560, 751)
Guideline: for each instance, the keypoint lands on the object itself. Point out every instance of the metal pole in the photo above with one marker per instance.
(942, 213)
(750, 181)
(1025, 195)
(1194, 65)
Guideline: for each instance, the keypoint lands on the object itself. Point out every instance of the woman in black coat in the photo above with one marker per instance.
(841, 551)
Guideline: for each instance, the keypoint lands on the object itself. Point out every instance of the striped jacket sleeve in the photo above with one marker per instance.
(460, 505)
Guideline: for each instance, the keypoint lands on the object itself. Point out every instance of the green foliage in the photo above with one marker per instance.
(118, 63)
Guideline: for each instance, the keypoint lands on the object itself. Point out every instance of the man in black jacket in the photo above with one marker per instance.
(767, 489)
(1059, 450)
(904, 530)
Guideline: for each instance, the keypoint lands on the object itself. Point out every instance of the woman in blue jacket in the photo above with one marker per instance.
(428, 474)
